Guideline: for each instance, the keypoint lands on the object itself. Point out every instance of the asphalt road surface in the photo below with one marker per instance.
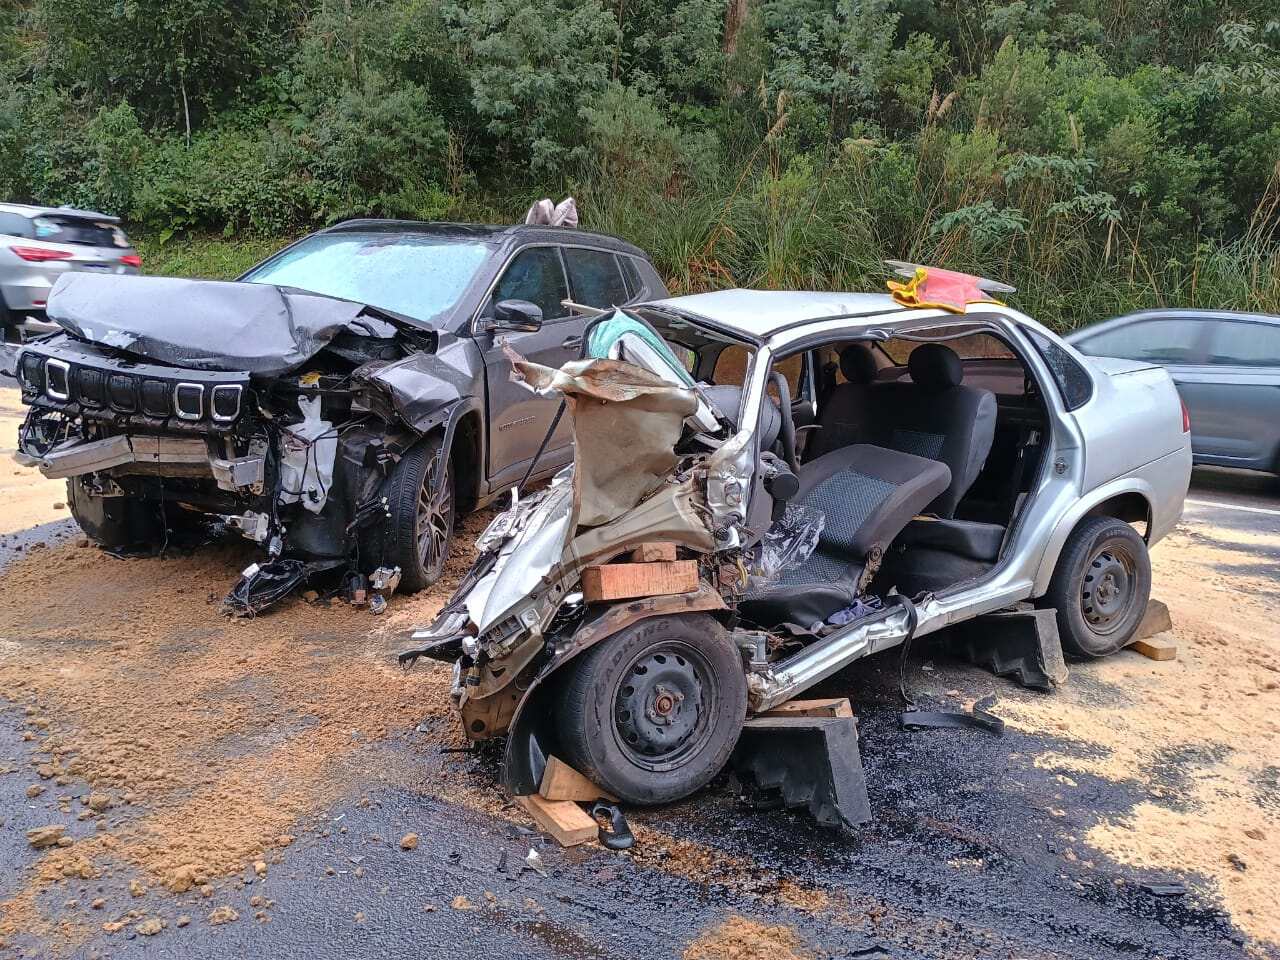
(975, 850)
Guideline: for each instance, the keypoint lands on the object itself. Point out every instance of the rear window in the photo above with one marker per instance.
(595, 277)
(76, 230)
(1074, 382)
(14, 225)
(419, 277)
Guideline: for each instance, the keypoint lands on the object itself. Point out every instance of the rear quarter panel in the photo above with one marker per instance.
(1134, 418)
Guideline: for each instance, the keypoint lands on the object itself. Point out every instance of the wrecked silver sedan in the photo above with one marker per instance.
(820, 476)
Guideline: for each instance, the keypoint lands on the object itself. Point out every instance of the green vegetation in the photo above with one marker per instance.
(1101, 156)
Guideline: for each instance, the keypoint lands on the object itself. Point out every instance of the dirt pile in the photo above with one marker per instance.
(1201, 734)
(202, 740)
(741, 939)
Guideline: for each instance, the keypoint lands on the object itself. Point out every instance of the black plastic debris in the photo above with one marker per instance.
(261, 586)
(979, 718)
(1164, 888)
(618, 836)
(810, 762)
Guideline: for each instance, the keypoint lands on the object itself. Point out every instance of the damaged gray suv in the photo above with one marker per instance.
(339, 404)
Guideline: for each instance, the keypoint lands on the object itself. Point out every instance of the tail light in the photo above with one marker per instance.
(131, 260)
(1186, 416)
(41, 254)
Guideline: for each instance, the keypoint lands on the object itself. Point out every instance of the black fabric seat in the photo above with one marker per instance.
(933, 415)
(866, 495)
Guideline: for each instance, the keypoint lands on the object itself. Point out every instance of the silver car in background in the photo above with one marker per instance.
(39, 244)
(1226, 367)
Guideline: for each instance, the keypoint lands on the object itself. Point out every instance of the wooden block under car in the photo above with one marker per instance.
(1158, 647)
(653, 552)
(833, 707)
(625, 581)
(561, 782)
(1155, 620)
(566, 822)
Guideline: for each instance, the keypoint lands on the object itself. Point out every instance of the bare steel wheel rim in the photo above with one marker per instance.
(1108, 591)
(663, 706)
(434, 508)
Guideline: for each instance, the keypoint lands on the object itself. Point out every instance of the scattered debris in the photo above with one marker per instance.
(795, 761)
(1164, 888)
(221, 915)
(262, 585)
(618, 836)
(98, 802)
(533, 861)
(409, 841)
(260, 867)
(460, 902)
(151, 926)
(34, 791)
(48, 836)
(137, 888)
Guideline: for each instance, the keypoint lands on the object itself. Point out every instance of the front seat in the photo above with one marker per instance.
(848, 411)
(866, 495)
(933, 415)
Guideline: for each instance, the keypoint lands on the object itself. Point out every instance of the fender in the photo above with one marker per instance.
(1067, 522)
(531, 735)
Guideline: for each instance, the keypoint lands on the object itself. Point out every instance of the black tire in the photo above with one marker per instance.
(115, 523)
(1100, 587)
(419, 533)
(666, 751)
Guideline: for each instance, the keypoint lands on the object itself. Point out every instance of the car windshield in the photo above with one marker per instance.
(419, 277)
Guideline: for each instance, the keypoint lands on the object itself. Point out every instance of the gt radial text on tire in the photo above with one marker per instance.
(1100, 587)
(652, 713)
(418, 534)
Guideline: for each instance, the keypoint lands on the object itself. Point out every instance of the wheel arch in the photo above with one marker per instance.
(531, 732)
(1128, 499)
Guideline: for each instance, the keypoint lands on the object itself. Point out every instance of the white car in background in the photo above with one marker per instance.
(39, 244)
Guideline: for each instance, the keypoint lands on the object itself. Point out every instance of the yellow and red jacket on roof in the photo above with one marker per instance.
(942, 289)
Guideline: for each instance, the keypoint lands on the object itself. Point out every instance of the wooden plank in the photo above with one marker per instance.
(561, 782)
(624, 581)
(1155, 620)
(653, 552)
(1158, 647)
(567, 823)
(833, 707)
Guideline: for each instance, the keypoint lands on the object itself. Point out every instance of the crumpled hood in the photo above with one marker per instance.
(203, 324)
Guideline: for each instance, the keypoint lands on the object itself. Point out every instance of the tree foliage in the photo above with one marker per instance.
(1064, 142)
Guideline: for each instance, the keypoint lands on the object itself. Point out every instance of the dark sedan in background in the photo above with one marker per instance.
(1227, 369)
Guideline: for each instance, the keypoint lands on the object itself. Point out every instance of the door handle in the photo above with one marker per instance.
(571, 343)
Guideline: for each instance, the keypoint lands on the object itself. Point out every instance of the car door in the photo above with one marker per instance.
(1236, 413)
(518, 418)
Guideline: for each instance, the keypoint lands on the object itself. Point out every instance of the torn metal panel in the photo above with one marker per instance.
(626, 422)
(203, 324)
(422, 386)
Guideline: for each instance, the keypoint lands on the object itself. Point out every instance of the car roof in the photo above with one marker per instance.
(29, 210)
(759, 314)
(526, 233)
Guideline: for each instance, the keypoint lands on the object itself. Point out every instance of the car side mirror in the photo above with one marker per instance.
(517, 315)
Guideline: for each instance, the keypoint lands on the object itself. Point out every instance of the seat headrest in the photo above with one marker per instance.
(857, 363)
(935, 368)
